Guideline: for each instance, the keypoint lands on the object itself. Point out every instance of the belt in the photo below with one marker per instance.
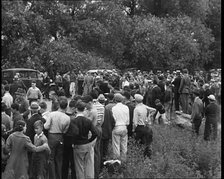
(55, 133)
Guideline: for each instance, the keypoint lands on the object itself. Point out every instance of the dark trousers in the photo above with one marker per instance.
(196, 125)
(177, 101)
(144, 134)
(46, 91)
(55, 142)
(185, 102)
(68, 158)
(211, 129)
(104, 149)
(8, 112)
(97, 153)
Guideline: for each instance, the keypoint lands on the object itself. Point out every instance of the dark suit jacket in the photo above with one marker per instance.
(176, 84)
(156, 94)
(30, 128)
(131, 107)
(185, 85)
(108, 123)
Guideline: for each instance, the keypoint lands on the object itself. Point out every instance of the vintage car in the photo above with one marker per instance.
(25, 74)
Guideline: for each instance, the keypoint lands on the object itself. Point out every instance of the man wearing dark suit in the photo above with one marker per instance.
(107, 127)
(35, 116)
(211, 116)
(184, 91)
(156, 93)
(176, 84)
(131, 107)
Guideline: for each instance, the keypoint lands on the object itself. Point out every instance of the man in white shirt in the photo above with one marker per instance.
(8, 100)
(57, 125)
(120, 113)
(141, 122)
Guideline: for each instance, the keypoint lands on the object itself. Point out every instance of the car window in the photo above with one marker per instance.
(7, 74)
(24, 74)
(33, 74)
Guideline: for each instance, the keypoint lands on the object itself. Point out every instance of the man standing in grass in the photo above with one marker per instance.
(120, 133)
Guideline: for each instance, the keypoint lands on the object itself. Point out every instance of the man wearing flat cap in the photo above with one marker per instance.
(121, 116)
(211, 119)
(197, 112)
(140, 123)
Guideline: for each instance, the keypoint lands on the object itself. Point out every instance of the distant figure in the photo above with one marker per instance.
(87, 84)
(197, 112)
(184, 91)
(34, 93)
(211, 116)
(8, 100)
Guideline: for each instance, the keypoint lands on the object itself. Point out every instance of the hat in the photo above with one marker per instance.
(101, 97)
(138, 97)
(118, 97)
(20, 91)
(196, 92)
(157, 101)
(177, 71)
(211, 97)
(34, 105)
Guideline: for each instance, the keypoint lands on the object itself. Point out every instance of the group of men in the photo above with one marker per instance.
(109, 109)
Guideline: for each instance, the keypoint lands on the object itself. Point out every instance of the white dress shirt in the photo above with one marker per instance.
(121, 114)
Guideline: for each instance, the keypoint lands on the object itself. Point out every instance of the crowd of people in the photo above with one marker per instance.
(88, 112)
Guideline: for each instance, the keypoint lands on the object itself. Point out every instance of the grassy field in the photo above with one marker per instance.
(177, 153)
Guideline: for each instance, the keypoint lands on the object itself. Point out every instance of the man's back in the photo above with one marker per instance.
(58, 122)
(84, 127)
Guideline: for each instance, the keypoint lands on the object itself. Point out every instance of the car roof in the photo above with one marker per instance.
(20, 69)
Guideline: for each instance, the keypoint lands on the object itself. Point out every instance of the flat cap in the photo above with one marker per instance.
(138, 97)
(118, 97)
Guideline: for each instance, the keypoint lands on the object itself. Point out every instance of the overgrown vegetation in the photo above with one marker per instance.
(83, 34)
(177, 153)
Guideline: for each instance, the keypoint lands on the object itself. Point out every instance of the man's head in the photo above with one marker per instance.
(34, 107)
(185, 71)
(33, 84)
(138, 98)
(211, 98)
(127, 95)
(88, 100)
(101, 99)
(110, 96)
(80, 106)
(38, 127)
(196, 93)
(15, 107)
(6, 88)
(118, 97)
(43, 107)
(63, 102)
(72, 107)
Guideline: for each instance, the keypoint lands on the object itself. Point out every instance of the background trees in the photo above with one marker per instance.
(146, 34)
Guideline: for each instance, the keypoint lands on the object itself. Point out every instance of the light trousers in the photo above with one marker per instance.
(119, 142)
(84, 160)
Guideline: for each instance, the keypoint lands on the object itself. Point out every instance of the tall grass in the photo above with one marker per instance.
(177, 153)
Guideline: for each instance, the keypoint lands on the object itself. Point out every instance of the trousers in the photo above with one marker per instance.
(55, 142)
(184, 102)
(119, 142)
(84, 160)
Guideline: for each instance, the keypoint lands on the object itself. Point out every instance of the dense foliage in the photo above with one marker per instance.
(146, 34)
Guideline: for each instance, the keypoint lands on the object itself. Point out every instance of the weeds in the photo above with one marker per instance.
(177, 153)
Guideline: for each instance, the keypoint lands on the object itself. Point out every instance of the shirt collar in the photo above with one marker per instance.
(79, 114)
(40, 135)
